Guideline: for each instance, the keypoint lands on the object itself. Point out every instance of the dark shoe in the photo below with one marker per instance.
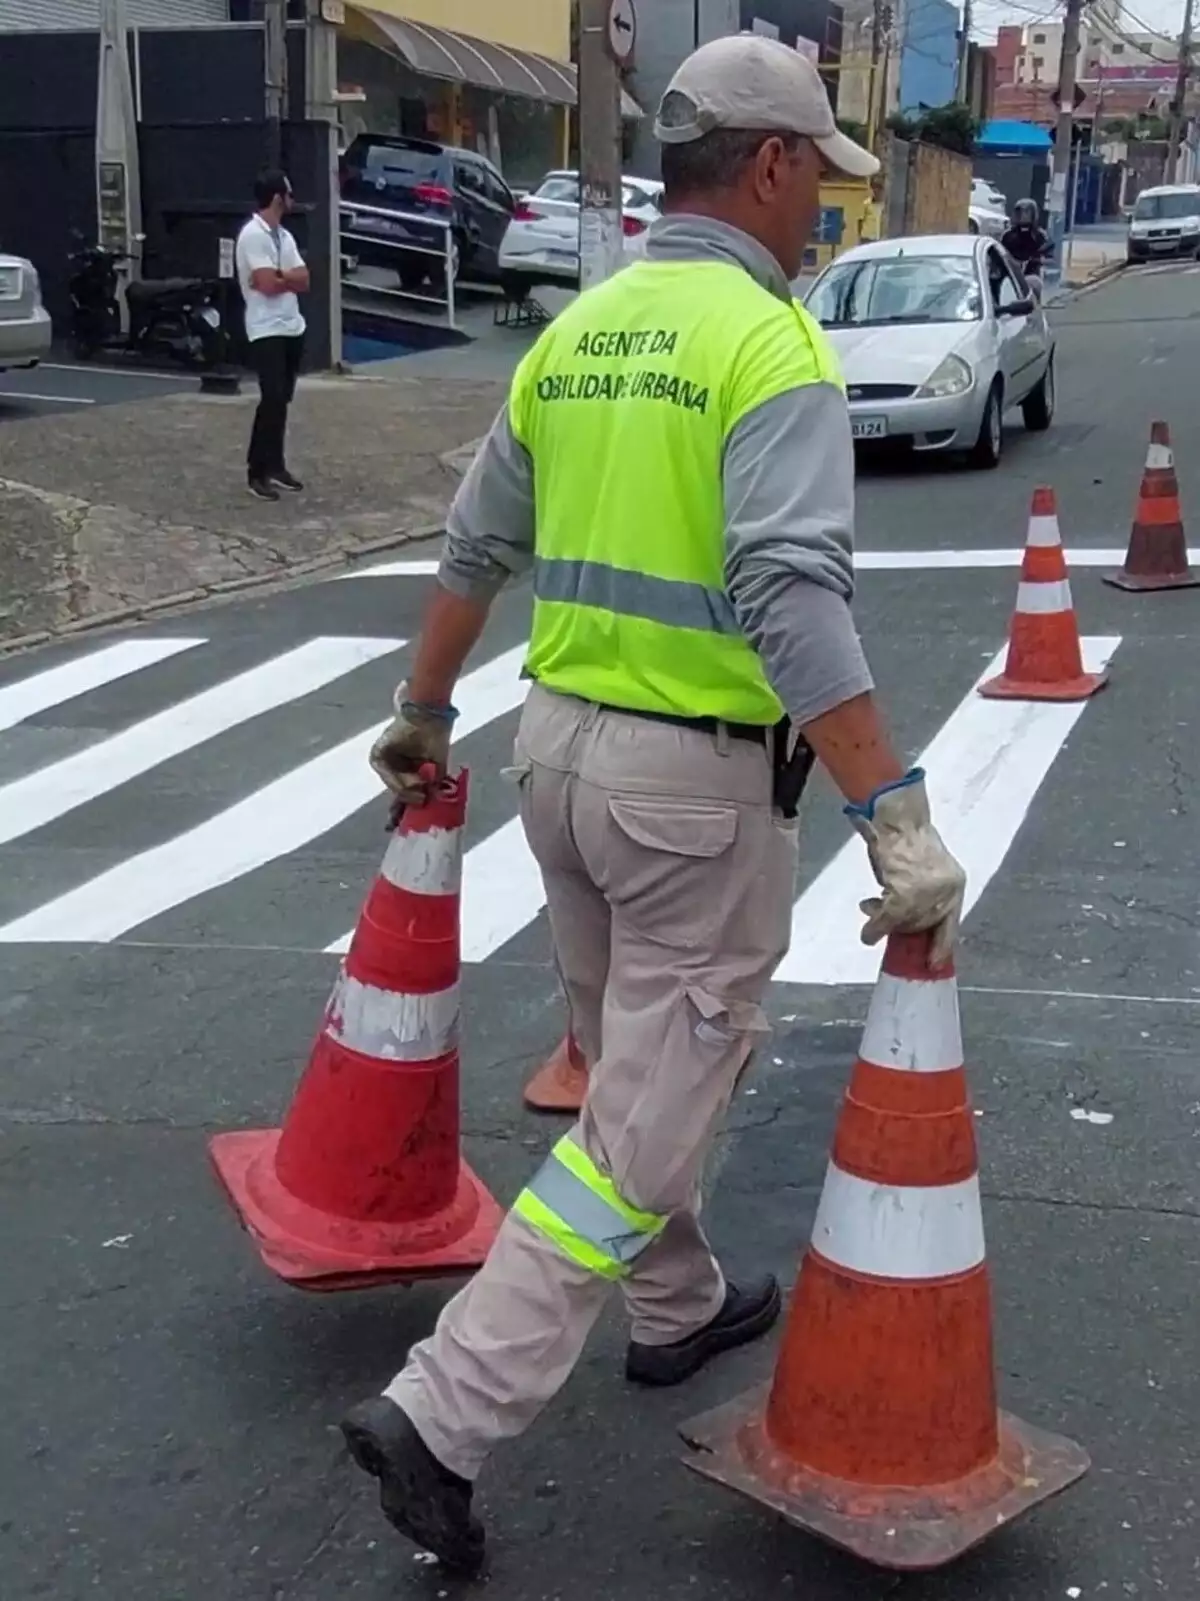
(745, 1315)
(262, 489)
(421, 1498)
(284, 480)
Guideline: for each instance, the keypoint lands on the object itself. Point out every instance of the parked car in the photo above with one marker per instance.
(988, 209)
(399, 194)
(25, 330)
(1165, 222)
(542, 242)
(938, 338)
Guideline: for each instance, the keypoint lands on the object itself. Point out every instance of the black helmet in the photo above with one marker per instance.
(1025, 214)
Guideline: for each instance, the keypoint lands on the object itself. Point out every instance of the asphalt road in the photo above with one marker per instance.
(62, 385)
(170, 1410)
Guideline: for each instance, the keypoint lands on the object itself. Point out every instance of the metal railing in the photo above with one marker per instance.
(446, 253)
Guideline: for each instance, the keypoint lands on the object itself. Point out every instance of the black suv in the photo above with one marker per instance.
(416, 186)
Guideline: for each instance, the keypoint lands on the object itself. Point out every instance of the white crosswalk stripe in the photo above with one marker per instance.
(986, 765)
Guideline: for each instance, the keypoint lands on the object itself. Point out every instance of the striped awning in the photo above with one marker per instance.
(460, 58)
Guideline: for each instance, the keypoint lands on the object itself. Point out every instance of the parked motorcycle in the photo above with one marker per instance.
(175, 317)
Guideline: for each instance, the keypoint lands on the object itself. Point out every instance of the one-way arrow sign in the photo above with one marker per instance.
(622, 31)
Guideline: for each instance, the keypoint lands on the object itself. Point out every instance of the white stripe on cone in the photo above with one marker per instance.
(913, 1025)
(391, 1025)
(1043, 598)
(1043, 532)
(1159, 456)
(425, 863)
(893, 1231)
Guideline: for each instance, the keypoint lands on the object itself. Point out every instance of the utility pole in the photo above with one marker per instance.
(275, 76)
(322, 18)
(964, 45)
(606, 28)
(1061, 170)
(879, 21)
(1175, 125)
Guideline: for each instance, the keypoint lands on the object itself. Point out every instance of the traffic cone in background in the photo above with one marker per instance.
(560, 1084)
(880, 1431)
(1157, 557)
(364, 1184)
(1044, 660)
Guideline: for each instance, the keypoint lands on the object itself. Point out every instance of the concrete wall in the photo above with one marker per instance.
(927, 189)
(540, 25)
(668, 30)
(928, 53)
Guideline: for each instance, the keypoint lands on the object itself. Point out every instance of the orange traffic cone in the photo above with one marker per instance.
(1044, 660)
(1157, 557)
(880, 1431)
(560, 1084)
(364, 1184)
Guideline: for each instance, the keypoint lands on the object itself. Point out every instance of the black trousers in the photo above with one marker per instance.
(276, 360)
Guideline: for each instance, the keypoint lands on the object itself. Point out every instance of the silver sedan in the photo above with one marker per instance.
(938, 337)
(25, 330)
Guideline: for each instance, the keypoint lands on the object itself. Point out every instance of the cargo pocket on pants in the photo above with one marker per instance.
(665, 872)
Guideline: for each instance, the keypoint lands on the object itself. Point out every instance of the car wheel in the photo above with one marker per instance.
(1038, 406)
(972, 225)
(412, 279)
(988, 447)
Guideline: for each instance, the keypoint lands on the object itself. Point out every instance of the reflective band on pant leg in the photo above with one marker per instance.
(577, 1207)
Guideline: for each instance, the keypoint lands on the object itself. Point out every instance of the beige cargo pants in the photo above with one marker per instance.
(669, 882)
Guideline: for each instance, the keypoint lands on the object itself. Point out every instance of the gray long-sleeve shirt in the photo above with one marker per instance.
(788, 476)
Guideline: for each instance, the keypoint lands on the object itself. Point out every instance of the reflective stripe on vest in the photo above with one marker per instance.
(625, 406)
(577, 1208)
(659, 600)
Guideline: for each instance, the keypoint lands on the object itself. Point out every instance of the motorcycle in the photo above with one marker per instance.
(175, 317)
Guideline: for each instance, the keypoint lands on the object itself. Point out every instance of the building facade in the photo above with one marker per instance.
(496, 78)
(928, 50)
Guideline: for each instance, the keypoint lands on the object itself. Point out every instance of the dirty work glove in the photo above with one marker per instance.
(922, 883)
(418, 737)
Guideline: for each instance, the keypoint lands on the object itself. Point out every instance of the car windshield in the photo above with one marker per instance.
(562, 188)
(897, 289)
(1150, 207)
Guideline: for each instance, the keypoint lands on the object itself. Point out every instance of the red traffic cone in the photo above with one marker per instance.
(1157, 557)
(880, 1431)
(364, 1183)
(1044, 660)
(560, 1084)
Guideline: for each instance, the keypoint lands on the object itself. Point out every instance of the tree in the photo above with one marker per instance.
(951, 127)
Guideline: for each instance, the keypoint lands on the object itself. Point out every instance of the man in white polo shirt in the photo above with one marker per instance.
(272, 274)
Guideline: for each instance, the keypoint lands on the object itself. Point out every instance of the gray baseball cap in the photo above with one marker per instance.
(750, 84)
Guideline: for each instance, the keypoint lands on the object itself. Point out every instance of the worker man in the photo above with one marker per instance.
(675, 463)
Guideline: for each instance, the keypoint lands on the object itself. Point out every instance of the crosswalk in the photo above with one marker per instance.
(274, 833)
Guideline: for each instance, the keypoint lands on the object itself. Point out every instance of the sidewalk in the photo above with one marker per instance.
(126, 508)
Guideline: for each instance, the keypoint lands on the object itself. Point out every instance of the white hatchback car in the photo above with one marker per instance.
(988, 210)
(938, 336)
(25, 331)
(541, 245)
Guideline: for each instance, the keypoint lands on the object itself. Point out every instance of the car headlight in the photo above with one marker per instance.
(1192, 225)
(951, 377)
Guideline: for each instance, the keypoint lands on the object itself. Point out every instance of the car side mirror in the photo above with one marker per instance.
(1017, 308)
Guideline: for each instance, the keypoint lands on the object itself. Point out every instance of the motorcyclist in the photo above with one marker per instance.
(1026, 241)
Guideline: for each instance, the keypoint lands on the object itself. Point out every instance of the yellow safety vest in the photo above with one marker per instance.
(624, 405)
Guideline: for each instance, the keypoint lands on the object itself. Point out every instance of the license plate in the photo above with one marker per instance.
(1163, 244)
(869, 427)
(10, 283)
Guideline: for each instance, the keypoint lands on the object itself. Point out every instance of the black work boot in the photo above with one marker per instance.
(745, 1315)
(421, 1498)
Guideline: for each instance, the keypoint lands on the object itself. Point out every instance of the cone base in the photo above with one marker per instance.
(315, 1251)
(559, 1086)
(1142, 581)
(899, 1529)
(1005, 688)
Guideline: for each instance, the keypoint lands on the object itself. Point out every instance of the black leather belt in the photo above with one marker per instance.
(756, 733)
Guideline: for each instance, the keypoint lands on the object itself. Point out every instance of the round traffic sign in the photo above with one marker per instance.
(622, 31)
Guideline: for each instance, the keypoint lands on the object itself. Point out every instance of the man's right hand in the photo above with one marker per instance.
(922, 883)
(418, 738)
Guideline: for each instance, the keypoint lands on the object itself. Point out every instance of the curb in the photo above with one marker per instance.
(1110, 269)
(342, 556)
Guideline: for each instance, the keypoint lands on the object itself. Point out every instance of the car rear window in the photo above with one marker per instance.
(397, 164)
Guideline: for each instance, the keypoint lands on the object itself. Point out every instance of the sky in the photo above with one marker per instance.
(1164, 16)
